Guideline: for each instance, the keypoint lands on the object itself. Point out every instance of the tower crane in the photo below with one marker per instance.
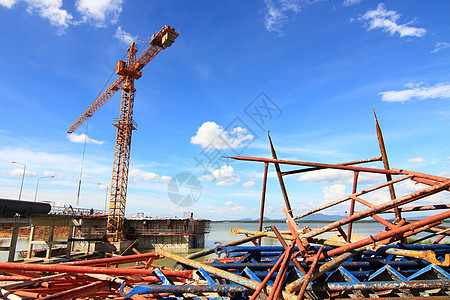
(128, 70)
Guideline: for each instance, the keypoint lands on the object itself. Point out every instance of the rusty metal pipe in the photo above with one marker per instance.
(421, 208)
(8, 295)
(363, 214)
(276, 288)
(431, 235)
(254, 232)
(59, 268)
(280, 178)
(309, 275)
(81, 291)
(343, 164)
(386, 285)
(352, 205)
(313, 164)
(330, 204)
(285, 246)
(251, 284)
(113, 260)
(421, 175)
(386, 235)
(293, 227)
(24, 283)
(263, 199)
(384, 157)
(254, 236)
(332, 264)
(269, 275)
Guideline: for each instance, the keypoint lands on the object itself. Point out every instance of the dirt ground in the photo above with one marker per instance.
(41, 232)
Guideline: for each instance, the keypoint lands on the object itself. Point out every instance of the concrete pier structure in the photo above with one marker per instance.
(176, 233)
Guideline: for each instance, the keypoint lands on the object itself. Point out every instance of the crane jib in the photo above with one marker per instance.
(128, 70)
(164, 38)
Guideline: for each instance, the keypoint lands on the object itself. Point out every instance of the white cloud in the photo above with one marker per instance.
(124, 36)
(440, 46)
(50, 10)
(387, 21)
(7, 3)
(225, 175)
(99, 12)
(233, 208)
(81, 138)
(416, 160)
(53, 173)
(211, 135)
(350, 2)
(326, 175)
(340, 176)
(248, 183)
(441, 91)
(137, 174)
(19, 172)
(277, 11)
(333, 192)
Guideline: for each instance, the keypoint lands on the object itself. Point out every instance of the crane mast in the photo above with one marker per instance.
(128, 70)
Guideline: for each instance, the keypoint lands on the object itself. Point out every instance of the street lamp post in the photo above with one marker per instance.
(37, 185)
(23, 176)
(106, 195)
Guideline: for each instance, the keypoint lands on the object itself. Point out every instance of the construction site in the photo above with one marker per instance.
(107, 255)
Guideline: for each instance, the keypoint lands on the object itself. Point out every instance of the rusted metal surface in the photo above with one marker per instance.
(87, 270)
(280, 177)
(263, 199)
(384, 157)
(303, 264)
(309, 275)
(427, 255)
(332, 203)
(321, 168)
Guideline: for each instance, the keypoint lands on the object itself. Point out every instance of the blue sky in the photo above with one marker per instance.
(321, 66)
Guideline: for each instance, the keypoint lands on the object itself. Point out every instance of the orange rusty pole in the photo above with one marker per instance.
(280, 177)
(263, 200)
(309, 275)
(398, 214)
(352, 205)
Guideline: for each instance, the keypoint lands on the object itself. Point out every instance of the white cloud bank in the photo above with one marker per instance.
(249, 183)
(417, 91)
(340, 176)
(47, 9)
(386, 20)
(416, 160)
(440, 46)
(225, 175)
(211, 135)
(137, 174)
(351, 2)
(277, 13)
(234, 208)
(19, 172)
(81, 138)
(99, 12)
(333, 192)
(96, 12)
(124, 36)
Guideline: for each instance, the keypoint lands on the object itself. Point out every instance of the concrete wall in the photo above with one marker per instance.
(171, 241)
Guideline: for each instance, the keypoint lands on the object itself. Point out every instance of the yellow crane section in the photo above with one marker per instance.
(128, 70)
